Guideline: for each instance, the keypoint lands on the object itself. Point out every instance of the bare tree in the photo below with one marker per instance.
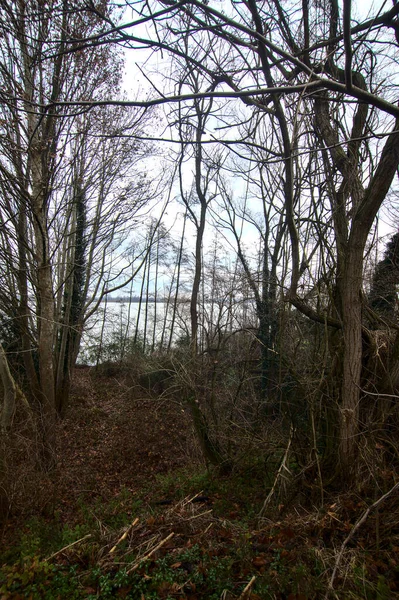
(309, 67)
(327, 94)
(69, 191)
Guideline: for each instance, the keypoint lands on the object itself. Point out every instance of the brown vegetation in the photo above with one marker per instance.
(127, 478)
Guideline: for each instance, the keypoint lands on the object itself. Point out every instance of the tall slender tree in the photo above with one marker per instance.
(69, 193)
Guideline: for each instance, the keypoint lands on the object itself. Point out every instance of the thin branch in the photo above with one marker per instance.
(347, 43)
(124, 536)
(147, 556)
(85, 537)
(246, 591)
(356, 526)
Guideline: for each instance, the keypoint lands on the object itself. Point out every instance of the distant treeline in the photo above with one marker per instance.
(136, 299)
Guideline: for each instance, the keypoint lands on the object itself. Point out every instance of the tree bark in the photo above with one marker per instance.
(351, 288)
(10, 393)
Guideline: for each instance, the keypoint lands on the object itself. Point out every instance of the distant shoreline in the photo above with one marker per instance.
(136, 300)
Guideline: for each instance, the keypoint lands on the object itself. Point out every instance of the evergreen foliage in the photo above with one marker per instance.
(383, 297)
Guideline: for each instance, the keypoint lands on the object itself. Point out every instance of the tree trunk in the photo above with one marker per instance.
(210, 448)
(10, 393)
(351, 359)
(177, 289)
(197, 277)
(45, 306)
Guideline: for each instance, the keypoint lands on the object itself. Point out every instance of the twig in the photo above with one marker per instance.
(207, 529)
(124, 536)
(207, 512)
(146, 543)
(188, 500)
(352, 532)
(247, 589)
(279, 473)
(69, 546)
(147, 556)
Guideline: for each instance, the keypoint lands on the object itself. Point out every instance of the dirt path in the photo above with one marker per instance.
(110, 441)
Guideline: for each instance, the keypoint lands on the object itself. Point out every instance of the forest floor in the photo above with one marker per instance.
(132, 512)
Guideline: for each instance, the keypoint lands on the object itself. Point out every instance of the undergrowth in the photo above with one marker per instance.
(197, 536)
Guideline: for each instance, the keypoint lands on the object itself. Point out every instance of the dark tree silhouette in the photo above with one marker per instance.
(383, 297)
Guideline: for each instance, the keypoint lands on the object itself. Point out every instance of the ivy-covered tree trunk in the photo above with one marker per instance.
(9, 393)
(71, 327)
